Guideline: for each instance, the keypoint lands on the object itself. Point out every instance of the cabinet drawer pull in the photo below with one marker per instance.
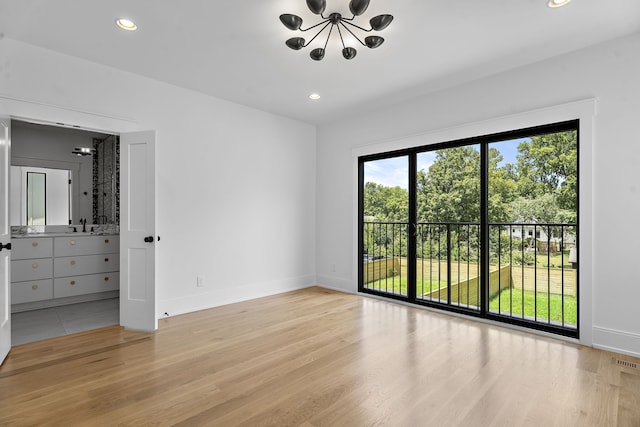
(106, 260)
(72, 242)
(106, 279)
(72, 283)
(34, 287)
(73, 262)
(106, 241)
(34, 265)
(34, 244)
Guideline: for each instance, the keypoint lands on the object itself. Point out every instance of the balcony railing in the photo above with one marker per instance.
(531, 277)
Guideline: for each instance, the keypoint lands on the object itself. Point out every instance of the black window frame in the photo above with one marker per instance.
(483, 141)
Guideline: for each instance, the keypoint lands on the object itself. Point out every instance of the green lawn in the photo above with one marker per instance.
(554, 260)
(398, 285)
(510, 300)
(543, 302)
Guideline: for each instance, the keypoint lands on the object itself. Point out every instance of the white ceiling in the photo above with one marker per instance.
(235, 49)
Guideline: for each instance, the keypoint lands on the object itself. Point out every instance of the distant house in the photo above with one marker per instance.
(540, 234)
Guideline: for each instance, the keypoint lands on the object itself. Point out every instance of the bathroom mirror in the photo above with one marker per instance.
(39, 196)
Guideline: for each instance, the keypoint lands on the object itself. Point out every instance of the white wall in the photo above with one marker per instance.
(236, 186)
(608, 72)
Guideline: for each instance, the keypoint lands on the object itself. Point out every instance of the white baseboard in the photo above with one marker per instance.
(37, 305)
(616, 341)
(337, 284)
(229, 295)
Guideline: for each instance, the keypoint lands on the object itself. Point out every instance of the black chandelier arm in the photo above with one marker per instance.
(352, 33)
(340, 32)
(357, 26)
(328, 37)
(314, 26)
(318, 33)
(349, 19)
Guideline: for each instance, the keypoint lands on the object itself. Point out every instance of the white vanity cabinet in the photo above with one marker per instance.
(45, 268)
(85, 264)
(31, 270)
(86, 245)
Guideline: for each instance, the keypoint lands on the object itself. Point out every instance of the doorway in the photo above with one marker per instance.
(486, 226)
(87, 200)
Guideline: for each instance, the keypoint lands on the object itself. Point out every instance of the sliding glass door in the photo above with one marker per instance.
(448, 226)
(485, 226)
(385, 226)
(533, 230)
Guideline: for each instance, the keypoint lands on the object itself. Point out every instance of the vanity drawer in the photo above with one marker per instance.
(79, 285)
(31, 291)
(29, 248)
(31, 269)
(85, 245)
(86, 264)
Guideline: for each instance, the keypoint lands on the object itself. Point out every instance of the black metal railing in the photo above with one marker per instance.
(543, 282)
(530, 276)
(385, 254)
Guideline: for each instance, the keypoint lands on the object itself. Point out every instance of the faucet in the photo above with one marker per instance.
(84, 224)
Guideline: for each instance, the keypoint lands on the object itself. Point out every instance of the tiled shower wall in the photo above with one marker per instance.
(106, 180)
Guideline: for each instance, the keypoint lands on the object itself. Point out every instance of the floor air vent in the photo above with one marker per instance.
(627, 364)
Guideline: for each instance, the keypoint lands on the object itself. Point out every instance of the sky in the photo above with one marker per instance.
(394, 172)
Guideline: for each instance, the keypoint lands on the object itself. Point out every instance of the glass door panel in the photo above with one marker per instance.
(385, 222)
(448, 226)
(533, 228)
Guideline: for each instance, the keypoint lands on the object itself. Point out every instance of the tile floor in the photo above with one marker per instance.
(36, 325)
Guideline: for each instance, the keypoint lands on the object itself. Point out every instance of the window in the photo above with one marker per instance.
(435, 221)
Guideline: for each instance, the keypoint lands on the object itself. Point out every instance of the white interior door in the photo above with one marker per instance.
(5, 238)
(137, 231)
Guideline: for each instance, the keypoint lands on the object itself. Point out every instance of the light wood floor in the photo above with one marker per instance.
(316, 358)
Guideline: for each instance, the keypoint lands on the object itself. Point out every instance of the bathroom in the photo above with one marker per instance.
(64, 212)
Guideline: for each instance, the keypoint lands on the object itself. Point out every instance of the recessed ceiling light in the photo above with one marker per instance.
(557, 3)
(126, 24)
(314, 96)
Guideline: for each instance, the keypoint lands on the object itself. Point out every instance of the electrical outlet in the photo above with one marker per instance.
(200, 281)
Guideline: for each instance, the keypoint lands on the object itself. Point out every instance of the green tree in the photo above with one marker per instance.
(548, 165)
(385, 204)
(503, 188)
(450, 190)
(541, 209)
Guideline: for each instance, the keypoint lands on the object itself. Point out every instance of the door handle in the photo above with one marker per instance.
(148, 239)
(7, 246)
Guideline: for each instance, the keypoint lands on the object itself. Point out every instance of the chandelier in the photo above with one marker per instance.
(357, 8)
